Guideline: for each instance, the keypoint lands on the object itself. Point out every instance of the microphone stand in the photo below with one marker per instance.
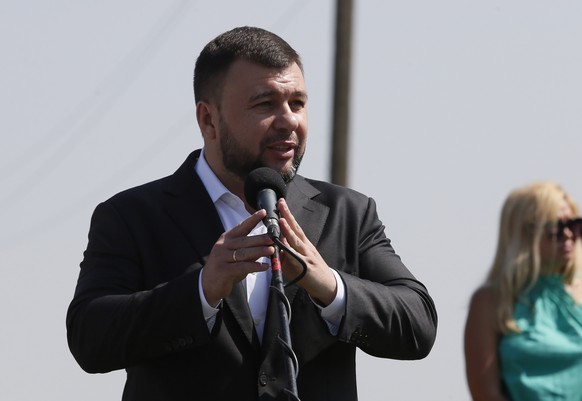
(284, 311)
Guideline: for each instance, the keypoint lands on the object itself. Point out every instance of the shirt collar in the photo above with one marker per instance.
(214, 186)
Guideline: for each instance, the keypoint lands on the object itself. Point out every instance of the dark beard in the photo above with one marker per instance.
(289, 175)
(240, 162)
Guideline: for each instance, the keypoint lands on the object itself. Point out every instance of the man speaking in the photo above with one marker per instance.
(175, 283)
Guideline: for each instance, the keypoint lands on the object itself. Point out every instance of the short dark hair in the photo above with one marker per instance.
(249, 43)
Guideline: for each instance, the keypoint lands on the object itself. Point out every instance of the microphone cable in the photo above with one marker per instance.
(278, 290)
(296, 257)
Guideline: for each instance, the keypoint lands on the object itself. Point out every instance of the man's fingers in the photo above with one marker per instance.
(245, 226)
(245, 268)
(250, 254)
(289, 218)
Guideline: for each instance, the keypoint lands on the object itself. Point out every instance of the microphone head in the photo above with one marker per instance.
(263, 178)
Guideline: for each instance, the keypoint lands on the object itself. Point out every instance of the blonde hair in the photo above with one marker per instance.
(517, 264)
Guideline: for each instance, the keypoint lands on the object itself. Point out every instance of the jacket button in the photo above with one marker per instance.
(263, 379)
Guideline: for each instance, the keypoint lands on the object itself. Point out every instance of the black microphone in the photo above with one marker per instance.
(263, 187)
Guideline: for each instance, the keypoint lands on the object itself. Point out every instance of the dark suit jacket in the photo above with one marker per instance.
(136, 304)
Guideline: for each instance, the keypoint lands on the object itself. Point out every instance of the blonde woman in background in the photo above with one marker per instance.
(523, 335)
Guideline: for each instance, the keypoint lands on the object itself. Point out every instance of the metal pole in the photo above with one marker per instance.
(340, 125)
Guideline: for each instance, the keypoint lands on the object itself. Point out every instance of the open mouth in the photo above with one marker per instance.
(282, 150)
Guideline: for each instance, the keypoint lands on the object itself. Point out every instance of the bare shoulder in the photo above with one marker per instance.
(483, 306)
(483, 297)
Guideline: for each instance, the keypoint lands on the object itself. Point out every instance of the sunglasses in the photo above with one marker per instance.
(556, 231)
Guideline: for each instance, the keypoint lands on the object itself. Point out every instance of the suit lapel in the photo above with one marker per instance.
(190, 207)
(310, 215)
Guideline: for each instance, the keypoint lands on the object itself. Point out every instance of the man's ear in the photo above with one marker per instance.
(206, 115)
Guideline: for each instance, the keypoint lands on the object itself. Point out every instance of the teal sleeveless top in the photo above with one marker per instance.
(544, 361)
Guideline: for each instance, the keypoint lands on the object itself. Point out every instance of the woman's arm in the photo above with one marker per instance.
(481, 342)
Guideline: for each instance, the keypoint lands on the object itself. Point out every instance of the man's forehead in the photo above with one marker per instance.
(262, 81)
(242, 68)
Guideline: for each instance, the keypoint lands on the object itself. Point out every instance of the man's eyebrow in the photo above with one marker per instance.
(301, 94)
(261, 95)
(269, 93)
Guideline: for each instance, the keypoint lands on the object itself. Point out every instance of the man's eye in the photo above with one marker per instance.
(298, 104)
